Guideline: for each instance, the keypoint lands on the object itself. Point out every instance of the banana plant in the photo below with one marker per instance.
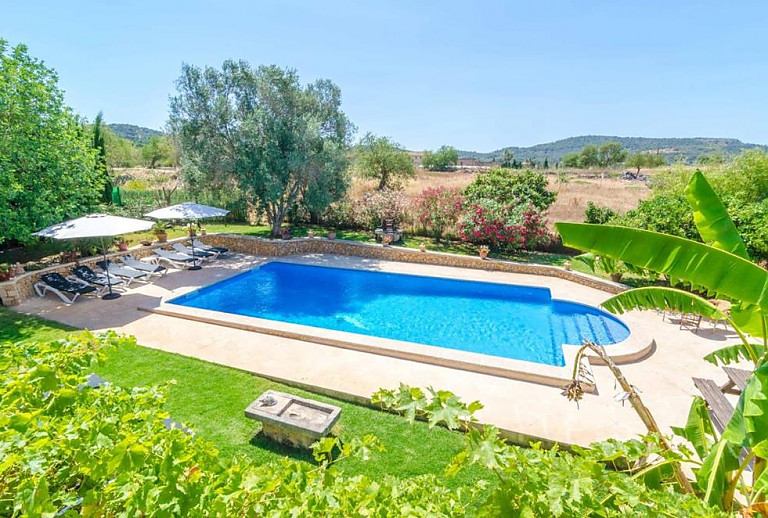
(720, 267)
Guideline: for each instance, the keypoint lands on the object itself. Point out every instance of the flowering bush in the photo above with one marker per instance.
(439, 208)
(503, 226)
(369, 211)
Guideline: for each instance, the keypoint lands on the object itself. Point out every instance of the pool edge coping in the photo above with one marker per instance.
(637, 346)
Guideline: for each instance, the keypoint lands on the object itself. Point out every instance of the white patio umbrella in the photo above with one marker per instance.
(92, 226)
(188, 211)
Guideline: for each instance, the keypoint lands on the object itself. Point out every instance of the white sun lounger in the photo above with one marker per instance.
(197, 252)
(151, 269)
(175, 259)
(127, 274)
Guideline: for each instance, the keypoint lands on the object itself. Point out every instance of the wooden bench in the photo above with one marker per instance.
(720, 408)
(737, 380)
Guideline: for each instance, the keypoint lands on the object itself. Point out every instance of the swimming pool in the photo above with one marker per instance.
(518, 322)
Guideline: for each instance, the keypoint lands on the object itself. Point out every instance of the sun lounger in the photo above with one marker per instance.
(59, 286)
(127, 274)
(151, 269)
(175, 259)
(97, 280)
(200, 254)
(208, 248)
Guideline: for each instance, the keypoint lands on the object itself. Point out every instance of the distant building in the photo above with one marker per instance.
(416, 157)
(464, 163)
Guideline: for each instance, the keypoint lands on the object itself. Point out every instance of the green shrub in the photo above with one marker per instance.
(509, 187)
(106, 452)
(667, 213)
(598, 215)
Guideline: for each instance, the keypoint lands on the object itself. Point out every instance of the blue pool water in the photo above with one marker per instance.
(518, 322)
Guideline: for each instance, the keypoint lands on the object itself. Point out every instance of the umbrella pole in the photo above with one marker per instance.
(194, 266)
(111, 295)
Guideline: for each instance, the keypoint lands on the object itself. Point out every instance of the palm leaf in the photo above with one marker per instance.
(719, 272)
(657, 297)
(712, 220)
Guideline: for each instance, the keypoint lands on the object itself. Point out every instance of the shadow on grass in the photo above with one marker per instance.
(261, 441)
(15, 327)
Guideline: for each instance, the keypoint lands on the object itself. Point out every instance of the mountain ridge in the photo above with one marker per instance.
(138, 135)
(673, 148)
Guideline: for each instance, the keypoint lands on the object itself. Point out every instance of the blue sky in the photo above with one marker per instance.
(475, 75)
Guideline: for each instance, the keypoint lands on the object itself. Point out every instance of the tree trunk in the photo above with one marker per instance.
(642, 411)
(277, 222)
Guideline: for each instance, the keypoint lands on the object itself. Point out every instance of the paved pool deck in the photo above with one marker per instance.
(523, 409)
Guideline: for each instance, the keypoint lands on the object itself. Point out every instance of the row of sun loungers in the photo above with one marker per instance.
(119, 276)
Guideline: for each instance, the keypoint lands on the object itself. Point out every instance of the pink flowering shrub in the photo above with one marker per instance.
(369, 211)
(503, 227)
(439, 208)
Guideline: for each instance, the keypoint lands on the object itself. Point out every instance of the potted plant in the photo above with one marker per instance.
(192, 230)
(18, 269)
(286, 233)
(567, 266)
(203, 231)
(122, 243)
(423, 247)
(484, 251)
(331, 234)
(386, 239)
(160, 231)
(310, 233)
(6, 272)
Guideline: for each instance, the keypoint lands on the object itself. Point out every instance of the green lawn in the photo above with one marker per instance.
(211, 399)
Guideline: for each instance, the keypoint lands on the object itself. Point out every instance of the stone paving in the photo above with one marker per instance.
(523, 410)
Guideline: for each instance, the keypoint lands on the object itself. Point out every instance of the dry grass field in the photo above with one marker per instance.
(573, 189)
(573, 194)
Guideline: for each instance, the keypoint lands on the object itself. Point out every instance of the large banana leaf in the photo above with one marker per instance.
(719, 272)
(698, 429)
(711, 218)
(657, 297)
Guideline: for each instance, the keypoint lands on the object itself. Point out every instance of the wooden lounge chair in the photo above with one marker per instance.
(60, 286)
(720, 409)
(737, 380)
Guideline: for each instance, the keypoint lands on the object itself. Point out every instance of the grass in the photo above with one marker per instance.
(211, 398)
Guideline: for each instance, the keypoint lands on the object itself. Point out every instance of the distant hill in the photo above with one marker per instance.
(687, 149)
(136, 134)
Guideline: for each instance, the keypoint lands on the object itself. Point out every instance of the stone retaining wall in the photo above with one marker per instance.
(18, 289)
(300, 246)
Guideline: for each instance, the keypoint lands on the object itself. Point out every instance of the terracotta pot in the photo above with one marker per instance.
(616, 277)
(203, 231)
(483, 254)
(192, 232)
(310, 233)
(5, 276)
(331, 235)
(567, 266)
(161, 238)
(423, 247)
(123, 247)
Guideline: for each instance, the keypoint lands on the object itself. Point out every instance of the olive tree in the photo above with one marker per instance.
(443, 159)
(262, 130)
(48, 167)
(381, 159)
